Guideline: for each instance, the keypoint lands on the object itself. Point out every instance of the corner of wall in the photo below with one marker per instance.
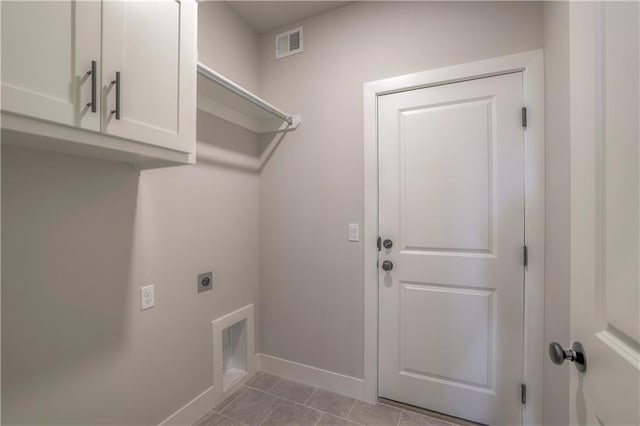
(557, 252)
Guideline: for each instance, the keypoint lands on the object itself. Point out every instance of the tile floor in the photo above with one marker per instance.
(274, 401)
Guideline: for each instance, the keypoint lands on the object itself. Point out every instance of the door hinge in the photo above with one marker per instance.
(523, 393)
(525, 256)
(379, 243)
(524, 117)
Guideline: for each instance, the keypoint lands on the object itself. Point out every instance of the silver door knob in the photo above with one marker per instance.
(387, 265)
(576, 355)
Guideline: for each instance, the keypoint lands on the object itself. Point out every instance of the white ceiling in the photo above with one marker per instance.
(265, 16)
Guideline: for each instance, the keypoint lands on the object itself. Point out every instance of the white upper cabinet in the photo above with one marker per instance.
(47, 49)
(149, 45)
(120, 76)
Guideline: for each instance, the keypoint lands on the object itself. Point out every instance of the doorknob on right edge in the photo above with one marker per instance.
(576, 355)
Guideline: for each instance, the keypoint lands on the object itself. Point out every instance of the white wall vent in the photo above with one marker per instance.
(289, 43)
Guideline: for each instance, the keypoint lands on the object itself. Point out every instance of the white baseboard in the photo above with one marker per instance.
(215, 394)
(192, 410)
(312, 376)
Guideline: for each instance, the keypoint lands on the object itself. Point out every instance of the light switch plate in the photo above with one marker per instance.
(147, 297)
(354, 232)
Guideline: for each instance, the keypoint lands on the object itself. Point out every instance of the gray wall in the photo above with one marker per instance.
(80, 236)
(227, 45)
(312, 187)
(557, 260)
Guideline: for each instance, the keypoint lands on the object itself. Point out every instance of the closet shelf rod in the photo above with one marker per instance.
(210, 74)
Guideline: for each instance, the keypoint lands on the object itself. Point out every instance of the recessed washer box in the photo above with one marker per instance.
(233, 351)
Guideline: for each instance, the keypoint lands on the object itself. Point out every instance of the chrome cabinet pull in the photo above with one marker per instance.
(117, 83)
(94, 82)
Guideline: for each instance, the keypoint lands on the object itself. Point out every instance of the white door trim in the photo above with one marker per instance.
(531, 65)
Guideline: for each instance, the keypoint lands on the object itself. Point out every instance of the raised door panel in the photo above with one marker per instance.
(469, 332)
(620, 171)
(157, 65)
(47, 50)
(448, 179)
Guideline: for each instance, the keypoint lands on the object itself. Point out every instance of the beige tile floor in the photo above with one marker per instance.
(274, 401)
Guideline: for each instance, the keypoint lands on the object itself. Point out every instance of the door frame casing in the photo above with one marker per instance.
(531, 65)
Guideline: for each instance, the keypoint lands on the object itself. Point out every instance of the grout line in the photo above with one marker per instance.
(311, 408)
(227, 417)
(350, 420)
(281, 398)
(213, 410)
(417, 411)
(256, 389)
(338, 417)
(242, 391)
(318, 421)
(269, 391)
(306, 406)
(355, 401)
(263, 391)
(302, 405)
(297, 403)
(284, 399)
(310, 396)
(203, 416)
(274, 384)
(389, 405)
(316, 389)
(271, 412)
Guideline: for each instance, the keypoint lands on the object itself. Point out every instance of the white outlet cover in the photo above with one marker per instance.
(147, 297)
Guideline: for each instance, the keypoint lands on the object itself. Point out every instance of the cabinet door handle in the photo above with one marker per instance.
(117, 83)
(94, 81)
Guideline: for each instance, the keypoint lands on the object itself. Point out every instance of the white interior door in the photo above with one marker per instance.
(151, 44)
(605, 211)
(47, 50)
(451, 164)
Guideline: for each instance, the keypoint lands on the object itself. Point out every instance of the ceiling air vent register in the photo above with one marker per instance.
(289, 43)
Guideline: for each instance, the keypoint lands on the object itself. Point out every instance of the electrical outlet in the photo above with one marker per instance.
(147, 297)
(205, 281)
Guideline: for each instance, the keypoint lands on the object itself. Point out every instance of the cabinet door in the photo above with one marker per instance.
(152, 45)
(47, 50)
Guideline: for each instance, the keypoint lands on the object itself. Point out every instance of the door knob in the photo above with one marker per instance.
(387, 244)
(387, 265)
(576, 355)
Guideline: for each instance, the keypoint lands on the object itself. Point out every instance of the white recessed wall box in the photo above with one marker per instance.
(233, 351)
(289, 43)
